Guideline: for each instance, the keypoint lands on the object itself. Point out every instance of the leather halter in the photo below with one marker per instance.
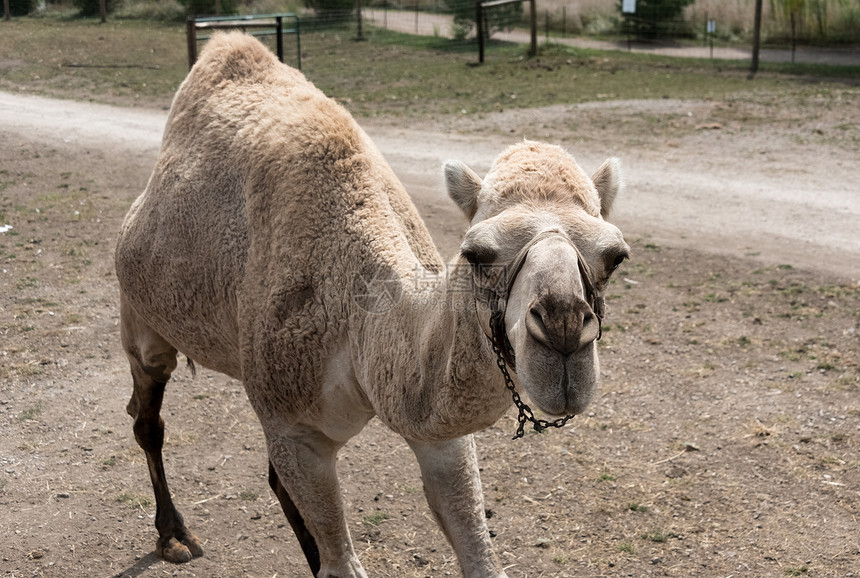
(499, 302)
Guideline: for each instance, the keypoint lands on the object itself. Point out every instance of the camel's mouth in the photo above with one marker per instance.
(570, 390)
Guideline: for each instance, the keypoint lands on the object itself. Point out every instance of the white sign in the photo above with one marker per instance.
(712, 26)
(628, 6)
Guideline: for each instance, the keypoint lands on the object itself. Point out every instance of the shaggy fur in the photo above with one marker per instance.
(273, 243)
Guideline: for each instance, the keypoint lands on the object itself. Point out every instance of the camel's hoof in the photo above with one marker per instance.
(193, 545)
(181, 552)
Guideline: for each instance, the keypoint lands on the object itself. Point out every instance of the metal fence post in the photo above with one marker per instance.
(756, 38)
(533, 10)
(479, 23)
(298, 43)
(358, 17)
(191, 36)
(279, 38)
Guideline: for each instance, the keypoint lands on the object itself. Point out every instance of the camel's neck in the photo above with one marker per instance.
(425, 364)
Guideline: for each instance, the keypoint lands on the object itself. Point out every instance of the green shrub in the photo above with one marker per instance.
(332, 9)
(654, 18)
(162, 10)
(207, 7)
(91, 7)
(497, 18)
(846, 29)
(21, 7)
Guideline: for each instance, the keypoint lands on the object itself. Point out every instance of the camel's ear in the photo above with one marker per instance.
(463, 186)
(607, 181)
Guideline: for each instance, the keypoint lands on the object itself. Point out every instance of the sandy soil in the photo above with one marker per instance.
(725, 441)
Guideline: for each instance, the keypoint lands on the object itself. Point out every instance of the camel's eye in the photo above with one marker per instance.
(478, 255)
(617, 262)
(470, 256)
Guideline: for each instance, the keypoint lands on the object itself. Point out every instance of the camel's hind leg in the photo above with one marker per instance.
(152, 361)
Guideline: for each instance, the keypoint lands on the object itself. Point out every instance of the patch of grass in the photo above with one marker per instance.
(115, 61)
(26, 283)
(793, 354)
(392, 73)
(30, 414)
(832, 461)
(636, 507)
(606, 477)
(796, 570)
(560, 560)
(658, 536)
(375, 519)
(133, 501)
(109, 462)
(627, 548)
(249, 495)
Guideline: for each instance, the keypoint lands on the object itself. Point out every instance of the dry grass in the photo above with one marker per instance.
(734, 18)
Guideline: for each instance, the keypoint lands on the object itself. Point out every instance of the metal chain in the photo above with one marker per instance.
(526, 413)
(499, 338)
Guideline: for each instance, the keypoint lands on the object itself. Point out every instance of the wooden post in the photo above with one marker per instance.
(479, 25)
(217, 7)
(546, 24)
(298, 43)
(533, 9)
(191, 37)
(358, 18)
(7, 11)
(279, 38)
(103, 10)
(756, 38)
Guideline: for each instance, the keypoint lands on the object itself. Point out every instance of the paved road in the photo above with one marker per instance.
(426, 24)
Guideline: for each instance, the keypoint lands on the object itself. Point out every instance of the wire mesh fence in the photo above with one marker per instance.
(676, 32)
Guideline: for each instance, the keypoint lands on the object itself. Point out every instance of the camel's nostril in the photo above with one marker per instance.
(537, 314)
(536, 325)
(563, 326)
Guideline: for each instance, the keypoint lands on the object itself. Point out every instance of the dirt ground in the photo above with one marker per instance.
(725, 440)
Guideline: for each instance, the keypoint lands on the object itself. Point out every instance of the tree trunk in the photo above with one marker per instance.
(103, 10)
(7, 12)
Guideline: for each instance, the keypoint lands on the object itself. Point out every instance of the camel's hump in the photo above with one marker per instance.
(234, 56)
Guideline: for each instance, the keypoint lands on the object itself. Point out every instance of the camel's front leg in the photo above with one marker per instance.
(453, 489)
(304, 462)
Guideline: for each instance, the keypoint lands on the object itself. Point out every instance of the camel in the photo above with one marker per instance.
(274, 244)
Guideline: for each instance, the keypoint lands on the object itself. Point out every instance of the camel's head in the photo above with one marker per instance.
(541, 254)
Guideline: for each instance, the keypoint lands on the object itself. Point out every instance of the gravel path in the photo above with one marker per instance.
(743, 193)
